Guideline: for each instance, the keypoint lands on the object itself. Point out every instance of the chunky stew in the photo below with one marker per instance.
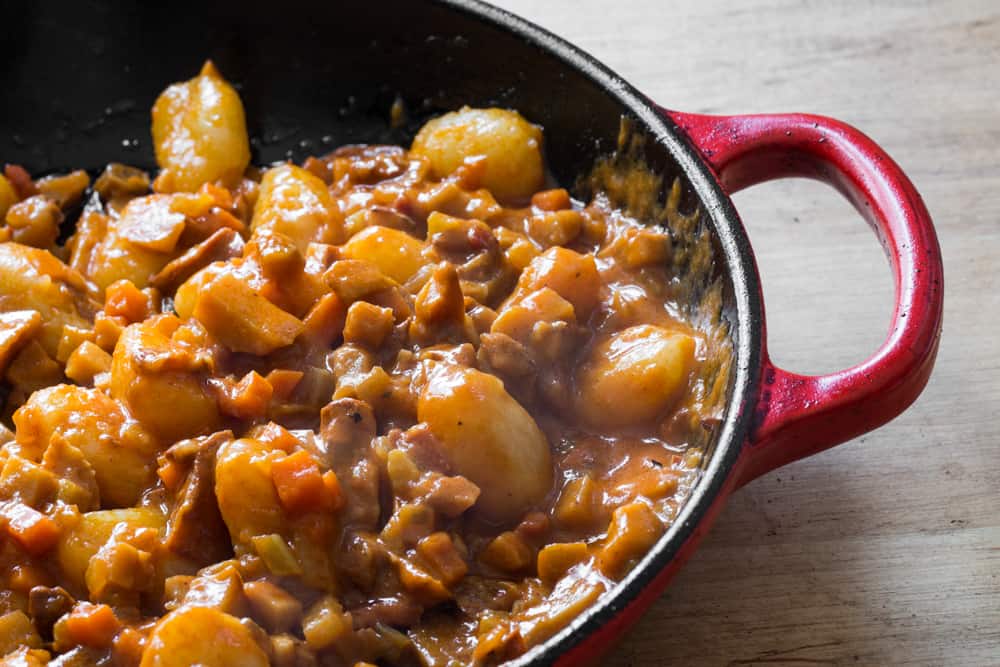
(390, 406)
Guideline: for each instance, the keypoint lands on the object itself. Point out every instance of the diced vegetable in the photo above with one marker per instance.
(242, 319)
(634, 375)
(555, 560)
(296, 203)
(396, 253)
(276, 609)
(202, 636)
(512, 148)
(300, 484)
(488, 437)
(16, 630)
(325, 623)
(199, 133)
(634, 529)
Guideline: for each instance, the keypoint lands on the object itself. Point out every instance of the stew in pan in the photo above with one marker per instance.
(390, 406)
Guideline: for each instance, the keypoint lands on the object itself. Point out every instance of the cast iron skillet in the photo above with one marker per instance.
(79, 79)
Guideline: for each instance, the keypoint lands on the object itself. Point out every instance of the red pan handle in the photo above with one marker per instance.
(799, 415)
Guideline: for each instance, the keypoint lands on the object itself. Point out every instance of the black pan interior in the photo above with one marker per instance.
(312, 76)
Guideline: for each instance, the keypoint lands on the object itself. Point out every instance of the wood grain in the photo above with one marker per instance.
(885, 550)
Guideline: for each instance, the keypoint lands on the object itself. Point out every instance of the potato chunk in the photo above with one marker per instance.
(510, 144)
(200, 133)
(489, 438)
(202, 636)
(80, 542)
(121, 453)
(633, 376)
(136, 245)
(33, 279)
(572, 275)
(243, 320)
(296, 203)
(161, 381)
(397, 254)
(8, 196)
(247, 498)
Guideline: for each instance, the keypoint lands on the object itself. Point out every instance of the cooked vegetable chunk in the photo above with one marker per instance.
(120, 451)
(32, 279)
(396, 254)
(202, 636)
(296, 203)
(634, 375)
(81, 540)
(488, 437)
(136, 245)
(160, 380)
(511, 146)
(242, 319)
(8, 196)
(200, 133)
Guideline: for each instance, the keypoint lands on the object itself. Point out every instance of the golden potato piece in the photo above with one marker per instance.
(510, 144)
(200, 133)
(8, 196)
(296, 203)
(161, 381)
(202, 636)
(121, 453)
(16, 329)
(396, 253)
(80, 542)
(136, 245)
(243, 320)
(633, 376)
(489, 438)
(572, 275)
(33, 279)
(247, 497)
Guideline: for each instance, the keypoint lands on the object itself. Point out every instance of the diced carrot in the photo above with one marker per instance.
(299, 483)
(283, 382)
(93, 625)
(170, 473)
(34, 531)
(439, 551)
(123, 299)
(325, 322)
(128, 647)
(218, 218)
(551, 200)
(335, 494)
(278, 436)
(248, 398)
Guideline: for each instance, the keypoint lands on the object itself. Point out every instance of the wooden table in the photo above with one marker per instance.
(885, 550)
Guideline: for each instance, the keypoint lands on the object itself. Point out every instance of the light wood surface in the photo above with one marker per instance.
(885, 550)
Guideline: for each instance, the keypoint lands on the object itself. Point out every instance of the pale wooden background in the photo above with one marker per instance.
(885, 550)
